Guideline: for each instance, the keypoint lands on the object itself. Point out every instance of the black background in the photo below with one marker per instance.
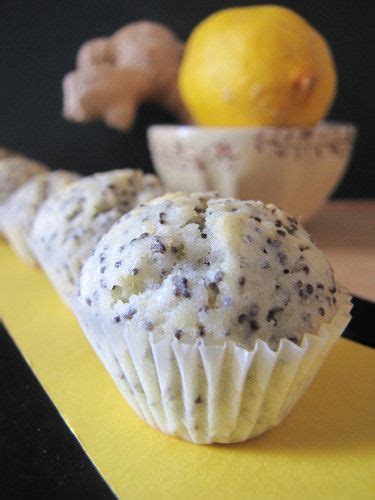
(38, 42)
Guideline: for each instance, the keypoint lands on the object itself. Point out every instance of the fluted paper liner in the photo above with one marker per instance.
(63, 287)
(211, 393)
(18, 239)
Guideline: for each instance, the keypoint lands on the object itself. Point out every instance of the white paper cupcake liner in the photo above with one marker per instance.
(59, 281)
(1, 221)
(211, 393)
(18, 240)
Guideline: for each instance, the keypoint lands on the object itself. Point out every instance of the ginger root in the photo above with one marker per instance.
(115, 75)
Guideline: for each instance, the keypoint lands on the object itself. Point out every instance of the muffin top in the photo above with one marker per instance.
(22, 205)
(68, 225)
(192, 266)
(150, 189)
(15, 171)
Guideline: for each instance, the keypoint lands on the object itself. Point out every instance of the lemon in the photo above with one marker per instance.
(261, 65)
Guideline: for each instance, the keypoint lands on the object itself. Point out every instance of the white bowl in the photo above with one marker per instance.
(295, 168)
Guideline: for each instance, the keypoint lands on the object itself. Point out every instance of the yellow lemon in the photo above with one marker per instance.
(262, 65)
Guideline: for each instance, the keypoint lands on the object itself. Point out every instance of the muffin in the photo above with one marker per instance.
(150, 189)
(15, 171)
(68, 226)
(21, 207)
(212, 315)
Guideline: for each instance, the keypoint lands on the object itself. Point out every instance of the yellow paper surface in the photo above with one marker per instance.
(324, 449)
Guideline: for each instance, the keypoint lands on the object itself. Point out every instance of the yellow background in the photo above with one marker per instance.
(324, 449)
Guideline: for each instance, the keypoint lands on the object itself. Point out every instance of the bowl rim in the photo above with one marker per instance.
(323, 126)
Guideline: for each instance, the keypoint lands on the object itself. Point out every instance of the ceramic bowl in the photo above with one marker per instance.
(297, 169)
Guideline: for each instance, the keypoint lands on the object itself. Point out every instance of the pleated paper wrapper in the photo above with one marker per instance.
(18, 239)
(60, 281)
(211, 393)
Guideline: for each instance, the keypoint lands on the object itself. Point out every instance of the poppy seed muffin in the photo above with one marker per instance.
(22, 206)
(211, 315)
(15, 171)
(151, 188)
(188, 267)
(68, 226)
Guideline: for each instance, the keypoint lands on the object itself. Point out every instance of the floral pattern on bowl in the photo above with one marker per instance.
(294, 168)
